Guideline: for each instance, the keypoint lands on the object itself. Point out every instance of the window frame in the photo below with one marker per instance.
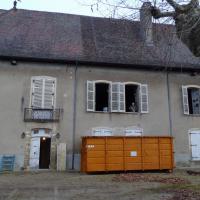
(102, 129)
(43, 78)
(109, 104)
(190, 132)
(110, 100)
(131, 128)
(139, 95)
(187, 87)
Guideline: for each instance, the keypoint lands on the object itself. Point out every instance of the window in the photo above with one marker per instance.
(102, 97)
(191, 99)
(43, 92)
(102, 131)
(117, 96)
(98, 96)
(132, 98)
(133, 131)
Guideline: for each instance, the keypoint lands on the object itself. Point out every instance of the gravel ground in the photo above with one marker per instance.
(74, 186)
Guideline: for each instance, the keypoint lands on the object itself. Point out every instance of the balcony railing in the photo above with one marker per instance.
(42, 115)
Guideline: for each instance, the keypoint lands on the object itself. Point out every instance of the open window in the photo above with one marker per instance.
(101, 97)
(191, 99)
(98, 94)
(107, 96)
(132, 98)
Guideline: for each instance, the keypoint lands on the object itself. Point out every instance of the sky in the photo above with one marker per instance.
(63, 6)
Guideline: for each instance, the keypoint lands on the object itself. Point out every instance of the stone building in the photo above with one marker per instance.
(66, 76)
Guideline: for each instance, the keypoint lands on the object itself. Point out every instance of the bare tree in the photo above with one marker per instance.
(184, 13)
(187, 21)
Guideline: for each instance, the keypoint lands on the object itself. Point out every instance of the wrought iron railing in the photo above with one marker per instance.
(42, 115)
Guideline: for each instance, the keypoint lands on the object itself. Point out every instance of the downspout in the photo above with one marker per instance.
(74, 114)
(169, 105)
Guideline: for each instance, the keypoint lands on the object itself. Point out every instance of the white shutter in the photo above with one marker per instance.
(90, 96)
(195, 145)
(118, 97)
(185, 100)
(144, 98)
(115, 97)
(37, 92)
(49, 93)
(121, 97)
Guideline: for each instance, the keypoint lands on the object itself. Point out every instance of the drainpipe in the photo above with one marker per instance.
(74, 114)
(169, 104)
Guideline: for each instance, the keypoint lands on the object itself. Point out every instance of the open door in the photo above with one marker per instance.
(45, 148)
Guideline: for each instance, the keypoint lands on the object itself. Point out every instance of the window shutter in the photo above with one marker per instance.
(144, 98)
(49, 93)
(121, 97)
(90, 95)
(115, 97)
(37, 92)
(185, 100)
(118, 97)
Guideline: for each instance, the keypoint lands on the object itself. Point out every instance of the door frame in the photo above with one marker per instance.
(39, 135)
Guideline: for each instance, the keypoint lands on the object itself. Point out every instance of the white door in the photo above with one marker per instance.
(195, 145)
(35, 153)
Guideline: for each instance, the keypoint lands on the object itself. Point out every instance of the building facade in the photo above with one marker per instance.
(93, 76)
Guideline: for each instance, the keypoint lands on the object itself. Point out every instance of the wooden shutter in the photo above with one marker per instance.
(185, 100)
(49, 92)
(121, 97)
(43, 92)
(37, 92)
(115, 97)
(90, 95)
(144, 98)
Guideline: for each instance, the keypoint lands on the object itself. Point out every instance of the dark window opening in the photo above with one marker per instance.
(102, 95)
(194, 100)
(45, 149)
(132, 98)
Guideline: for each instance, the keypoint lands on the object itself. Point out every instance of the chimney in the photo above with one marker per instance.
(146, 23)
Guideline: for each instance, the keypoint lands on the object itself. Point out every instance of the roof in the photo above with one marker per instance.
(65, 37)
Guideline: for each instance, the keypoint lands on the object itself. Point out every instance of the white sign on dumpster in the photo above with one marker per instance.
(133, 153)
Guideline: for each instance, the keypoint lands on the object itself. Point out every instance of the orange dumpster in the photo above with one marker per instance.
(101, 154)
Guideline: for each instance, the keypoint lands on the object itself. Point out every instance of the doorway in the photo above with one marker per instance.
(45, 149)
(40, 149)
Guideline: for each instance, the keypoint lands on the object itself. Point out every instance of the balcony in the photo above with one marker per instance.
(42, 115)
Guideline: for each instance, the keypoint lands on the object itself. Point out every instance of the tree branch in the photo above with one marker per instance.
(173, 4)
(183, 8)
(192, 4)
(156, 13)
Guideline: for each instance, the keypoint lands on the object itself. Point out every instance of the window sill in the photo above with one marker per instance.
(132, 113)
(192, 115)
(194, 160)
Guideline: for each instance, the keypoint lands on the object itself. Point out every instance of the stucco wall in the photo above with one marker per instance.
(181, 124)
(153, 123)
(15, 83)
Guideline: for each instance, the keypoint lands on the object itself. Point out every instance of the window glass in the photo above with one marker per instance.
(194, 100)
